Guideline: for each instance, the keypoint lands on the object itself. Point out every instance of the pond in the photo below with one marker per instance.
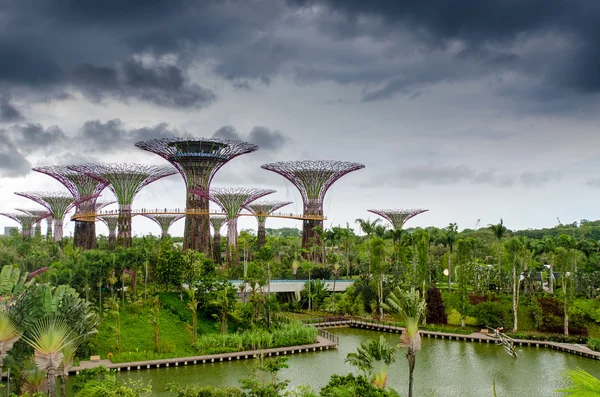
(443, 369)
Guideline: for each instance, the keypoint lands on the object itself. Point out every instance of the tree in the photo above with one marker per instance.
(411, 307)
(379, 268)
(9, 334)
(449, 238)
(499, 232)
(516, 248)
(368, 227)
(547, 249)
(374, 358)
(583, 384)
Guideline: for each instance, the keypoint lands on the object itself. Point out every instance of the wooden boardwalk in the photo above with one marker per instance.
(325, 341)
(478, 337)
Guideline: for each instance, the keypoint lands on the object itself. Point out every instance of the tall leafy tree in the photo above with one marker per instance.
(449, 238)
(499, 232)
(368, 227)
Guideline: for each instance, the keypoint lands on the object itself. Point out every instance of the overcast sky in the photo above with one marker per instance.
(472, 109)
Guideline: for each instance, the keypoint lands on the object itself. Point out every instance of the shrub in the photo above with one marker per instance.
(594, 344)
(435, 307)
(203, 391)
(454, 318)
(588, 309)
(491, 314)
(352, 385)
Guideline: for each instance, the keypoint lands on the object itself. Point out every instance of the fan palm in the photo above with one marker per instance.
(9, 334)
(374, 357)
(35, 381)
(411, 307)
(49, 337)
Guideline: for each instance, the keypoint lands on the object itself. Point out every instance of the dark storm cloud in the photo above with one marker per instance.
(35, 138)
(13, 163)
(265, 138)
(9, 113)
(114, 135)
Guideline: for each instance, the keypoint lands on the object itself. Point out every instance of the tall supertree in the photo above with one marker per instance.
(125, 180)
(164, 221)
(111, 221)
(312, 178)
(197, 160)
(85, 190)
(232, 201)
(57, 203)
(41, 214)
(217, 222)
(261, 210)
(398, 217)
(26, 221)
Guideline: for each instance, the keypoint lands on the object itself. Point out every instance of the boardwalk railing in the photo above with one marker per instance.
(329, 336)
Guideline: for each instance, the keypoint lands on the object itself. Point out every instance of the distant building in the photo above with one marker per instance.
(9, 229)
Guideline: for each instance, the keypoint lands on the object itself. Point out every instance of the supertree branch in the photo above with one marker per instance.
(312, 178)
(26, 221)
(164, 221)
(197, 160)
(57, 203)
(111, 221)
(86, 190)
(261, 210)
(125, 181)
(41, 215)
(217, 222)
(398, 217)
(232, 201)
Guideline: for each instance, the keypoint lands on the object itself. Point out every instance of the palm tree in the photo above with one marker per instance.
(49, 337)
(368, 227)
(9, 334)
(449, 238)
(411, 306)
(582, 384)
(374, 358)
(499, 231)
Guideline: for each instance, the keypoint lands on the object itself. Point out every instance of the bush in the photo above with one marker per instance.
(354, 386)
(594, 344)
(454, 318)
(435, 307)
(552, 320)
(203, 391)
(491, 314)
(588, 309)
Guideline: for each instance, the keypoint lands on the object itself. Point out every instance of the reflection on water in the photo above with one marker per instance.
(443, 369)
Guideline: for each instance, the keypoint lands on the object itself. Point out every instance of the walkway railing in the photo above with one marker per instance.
(329, 336)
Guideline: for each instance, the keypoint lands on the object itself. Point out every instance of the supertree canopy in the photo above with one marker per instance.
(111, 221)
(217, 222)
(57, 203)
(261, 210)
(232, 201)
(25, 220)
(398, 217)
(197, 160)
(125, 180)
(85, 190)
(41, 215)
(312, 178)
(164, 221)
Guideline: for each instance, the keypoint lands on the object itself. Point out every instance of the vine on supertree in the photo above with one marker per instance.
(26, 221)
(164, 221)
(111, 221)
(312, 178)
(125, 180)
(232, 201)
(85, 190)
(217, 222)
(57, 203)
(41, 214)
(398, 217)
(197, 160)
(261, 210)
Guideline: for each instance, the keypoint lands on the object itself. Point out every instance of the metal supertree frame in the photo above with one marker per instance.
(217, 222)
(85, 190)
(261, 210)
(57, 203)
(232, 200)
(112, 222)
(312, 178)
(398, 217)
(41, 214)
(26, 221)
(164, 221)
(125, 180)
(197, 160)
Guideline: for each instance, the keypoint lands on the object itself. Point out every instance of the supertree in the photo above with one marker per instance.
(261, 210)
(217, 222)
(41, 214)
(398, 217)
(232, 201)
(85, 190)
(312, 178)
(197, 160)
(111, 221)
(125, 180)
(57, 203)
(26, 221)
(164, 221)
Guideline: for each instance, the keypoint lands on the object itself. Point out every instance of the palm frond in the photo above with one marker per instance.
(583, 384)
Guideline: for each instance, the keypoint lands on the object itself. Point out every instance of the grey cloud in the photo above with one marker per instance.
(9, 113)
(13, 163)
(114, 135)
(265, 138)
(33, 138)
(593, 182)
(532, 179)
